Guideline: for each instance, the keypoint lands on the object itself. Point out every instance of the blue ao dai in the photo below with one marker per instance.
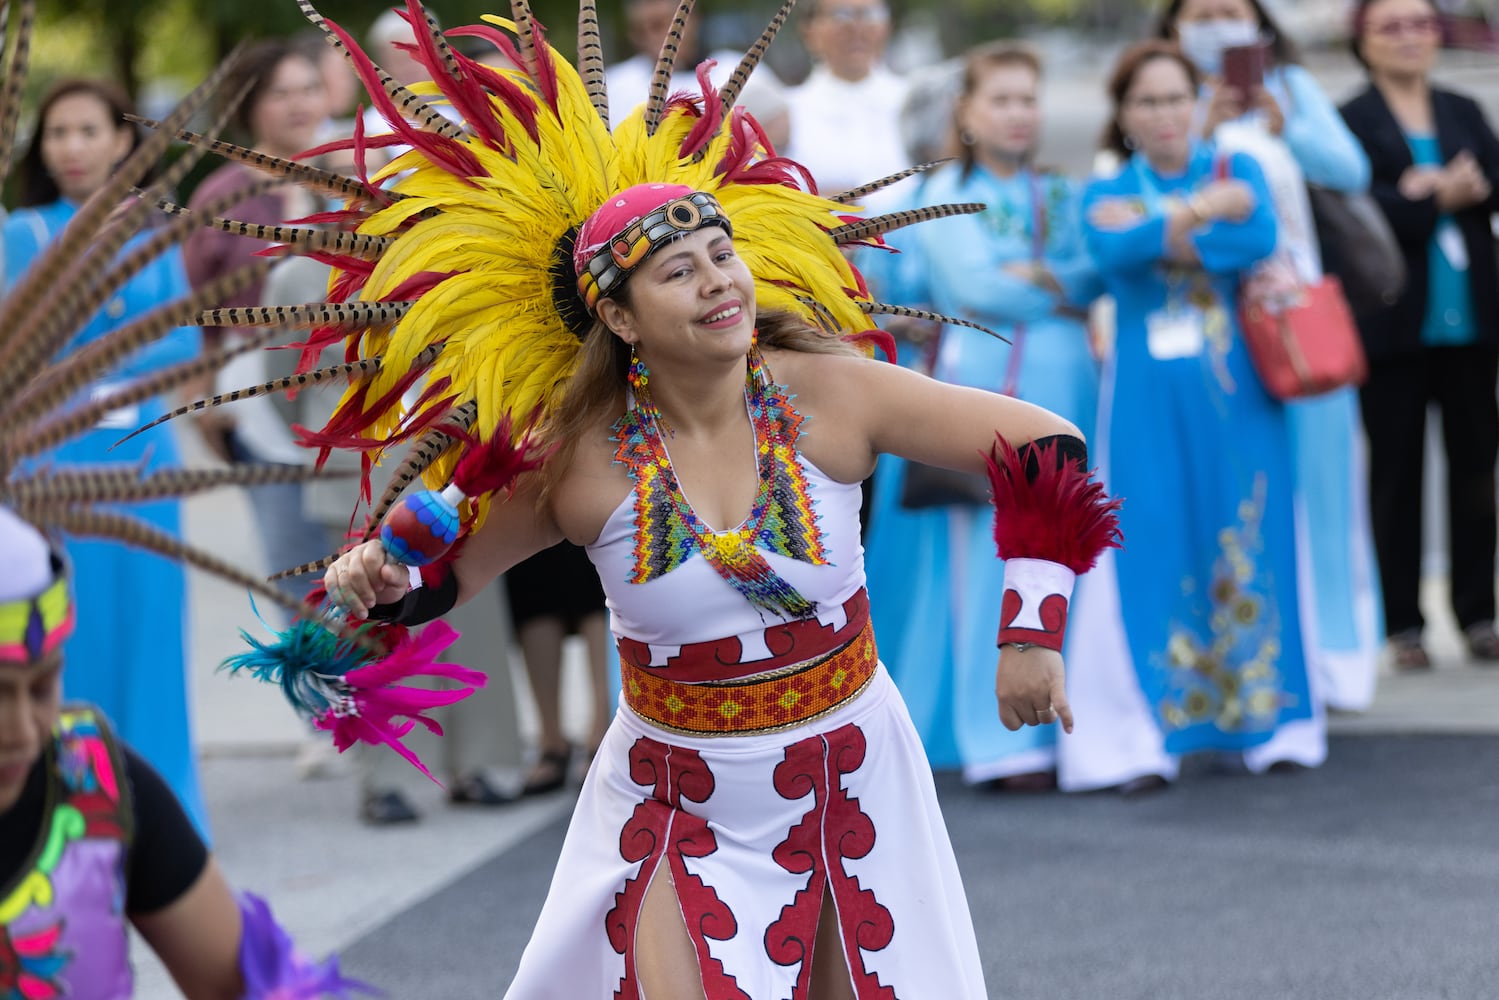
(1190, 638)
(961, 262)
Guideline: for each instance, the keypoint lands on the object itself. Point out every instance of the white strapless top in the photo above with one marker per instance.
(692, 603)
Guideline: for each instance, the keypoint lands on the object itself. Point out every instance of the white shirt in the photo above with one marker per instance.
(848, 134)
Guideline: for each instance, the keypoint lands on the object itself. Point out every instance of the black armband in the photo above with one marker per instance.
(1066, 447)
(421, 605)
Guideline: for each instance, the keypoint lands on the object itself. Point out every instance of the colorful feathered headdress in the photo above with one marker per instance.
(454, 263)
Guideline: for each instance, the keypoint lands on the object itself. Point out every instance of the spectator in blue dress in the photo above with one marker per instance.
(132, 666)
(1294, 130)
(1190, 638)
(1436, 176)
(1020, 268)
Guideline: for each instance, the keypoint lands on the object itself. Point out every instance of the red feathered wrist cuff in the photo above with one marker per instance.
(1048, 507)
(1035, 603)
(1051, 522)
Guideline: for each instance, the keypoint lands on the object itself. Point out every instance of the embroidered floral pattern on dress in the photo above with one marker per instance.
(1228, 675)
(835, 829)
(783, 517)
(661, 829)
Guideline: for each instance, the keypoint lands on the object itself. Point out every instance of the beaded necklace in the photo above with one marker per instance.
(782, 519)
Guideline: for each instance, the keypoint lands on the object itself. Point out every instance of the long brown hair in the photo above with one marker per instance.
(978, 63)
(594, 395)
(37, 186)
(1131, 62)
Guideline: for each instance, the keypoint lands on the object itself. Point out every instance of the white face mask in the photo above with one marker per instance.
(1203, 42)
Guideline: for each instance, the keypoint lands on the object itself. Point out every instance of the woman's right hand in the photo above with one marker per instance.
(363, 577)
(1226, 105)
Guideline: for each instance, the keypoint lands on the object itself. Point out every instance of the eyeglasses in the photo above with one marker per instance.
(1420, 24)
(1150, 105)
(856, 15)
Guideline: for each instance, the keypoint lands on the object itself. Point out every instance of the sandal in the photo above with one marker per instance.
(1483, 641)
(1027, 783)
(387, 809)
(475, 790)
(549, 773)
(1408, 653)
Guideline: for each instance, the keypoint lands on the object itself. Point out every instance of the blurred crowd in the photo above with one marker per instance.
(1273, 541)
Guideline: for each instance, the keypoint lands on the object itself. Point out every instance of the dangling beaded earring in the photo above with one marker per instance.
(757, 375)
(638, 378)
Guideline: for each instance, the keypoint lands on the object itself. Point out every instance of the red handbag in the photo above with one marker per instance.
(1307, 346)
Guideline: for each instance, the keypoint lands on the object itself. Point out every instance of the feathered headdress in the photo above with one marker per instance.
(43, 406)
(454, 263)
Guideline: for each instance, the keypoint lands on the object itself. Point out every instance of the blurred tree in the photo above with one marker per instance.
(127, 30)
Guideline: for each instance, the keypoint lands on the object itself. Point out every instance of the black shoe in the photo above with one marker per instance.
(475, 790)
(1145, 784)
(386, 809)
(1483, 642)
(550, 772)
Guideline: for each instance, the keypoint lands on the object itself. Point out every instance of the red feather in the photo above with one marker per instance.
(1062, 515)
(497, 463)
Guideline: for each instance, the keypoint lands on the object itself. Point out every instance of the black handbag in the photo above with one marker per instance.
(924, 486)
(1358, 245)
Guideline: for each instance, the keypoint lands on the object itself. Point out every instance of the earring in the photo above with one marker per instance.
(1131, 143)
(638, 378)
(756, 374)
(966, 137)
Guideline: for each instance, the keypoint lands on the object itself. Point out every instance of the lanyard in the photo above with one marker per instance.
(1038, 253)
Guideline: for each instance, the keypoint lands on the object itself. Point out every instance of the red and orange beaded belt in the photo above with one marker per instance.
(785, 698)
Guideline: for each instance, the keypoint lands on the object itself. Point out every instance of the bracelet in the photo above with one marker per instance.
(1194, 205)
(1020, 647)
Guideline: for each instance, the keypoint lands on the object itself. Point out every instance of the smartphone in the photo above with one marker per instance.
(1244, 67)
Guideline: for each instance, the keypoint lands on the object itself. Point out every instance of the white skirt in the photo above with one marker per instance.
(754, 830)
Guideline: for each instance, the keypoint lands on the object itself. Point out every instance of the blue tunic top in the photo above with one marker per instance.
(1449, 299)
(1207, 580)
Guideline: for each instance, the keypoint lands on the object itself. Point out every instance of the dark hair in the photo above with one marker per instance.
(977, 62)
(1131, 62)
(254, 71)
(1360, 19)
(1281, 48)
(36, 185)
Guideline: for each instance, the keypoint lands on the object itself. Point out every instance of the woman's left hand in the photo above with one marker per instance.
(1265, 103)
(1031, 688)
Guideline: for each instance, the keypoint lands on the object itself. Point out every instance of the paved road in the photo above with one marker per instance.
(1374, 878)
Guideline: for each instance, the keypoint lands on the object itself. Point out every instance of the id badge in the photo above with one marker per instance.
(1174, 334)
(1450, 242)
(124, 418)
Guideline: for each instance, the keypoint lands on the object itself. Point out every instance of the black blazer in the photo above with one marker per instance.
(1394, 329)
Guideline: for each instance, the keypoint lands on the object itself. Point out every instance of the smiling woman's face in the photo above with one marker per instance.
(693, 298)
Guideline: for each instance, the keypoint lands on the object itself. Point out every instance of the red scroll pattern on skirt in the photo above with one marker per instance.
(660, 828)
(833, 829)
